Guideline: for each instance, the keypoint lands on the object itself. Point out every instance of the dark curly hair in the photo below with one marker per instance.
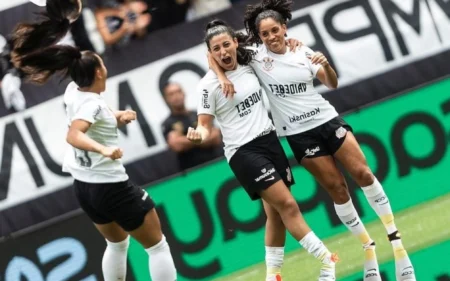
(278, 10)
(217, 27)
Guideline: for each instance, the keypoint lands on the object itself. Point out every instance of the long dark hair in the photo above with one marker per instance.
(217, 27)
(278, 10)
(29, 37)
(39, 66)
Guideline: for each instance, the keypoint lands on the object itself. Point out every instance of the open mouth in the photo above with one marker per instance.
(227, 60)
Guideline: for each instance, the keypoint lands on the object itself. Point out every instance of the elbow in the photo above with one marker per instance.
(70, 138)
(333, 85)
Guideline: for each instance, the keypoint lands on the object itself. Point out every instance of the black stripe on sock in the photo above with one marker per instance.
(394, 236)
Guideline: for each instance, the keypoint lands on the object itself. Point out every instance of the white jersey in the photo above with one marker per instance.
(241, 119)
(287, 79)
(89, 166)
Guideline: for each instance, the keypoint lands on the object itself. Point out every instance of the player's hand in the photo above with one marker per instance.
(293, 44)
(112, 152)
(319, 58)
(194, 136)
(227, 87)
(127, 116)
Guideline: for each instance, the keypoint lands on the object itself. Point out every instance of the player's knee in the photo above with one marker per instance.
(288, 207)
(364, 176)
(338, 191)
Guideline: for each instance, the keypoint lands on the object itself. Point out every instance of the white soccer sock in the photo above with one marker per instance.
(371, 269)
(350, 218)
(315, 246)
(404, 268)
(274, 261)
(114, 262)
(380, 203)
(161, 263)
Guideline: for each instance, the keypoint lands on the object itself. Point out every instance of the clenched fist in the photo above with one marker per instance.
(194, 136)
(112, 152)
(127, 116)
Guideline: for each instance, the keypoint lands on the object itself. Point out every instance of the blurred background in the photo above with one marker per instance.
(393, 62)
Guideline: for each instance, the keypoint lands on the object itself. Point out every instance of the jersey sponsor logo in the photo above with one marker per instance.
(268, 66)
(265, 174)
(205, 99)
(305, 115)
(288, 89)
(244, 107)
(265, 132)
(312, 151)
(340, 132)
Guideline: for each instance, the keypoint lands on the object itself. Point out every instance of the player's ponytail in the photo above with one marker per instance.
(39, 66)
(29, 37)
(279, 10)
(217, 27)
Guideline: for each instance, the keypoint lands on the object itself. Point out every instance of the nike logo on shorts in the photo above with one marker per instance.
(270, 179)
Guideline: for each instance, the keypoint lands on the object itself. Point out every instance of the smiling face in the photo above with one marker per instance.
(223, 48)
(272, 33)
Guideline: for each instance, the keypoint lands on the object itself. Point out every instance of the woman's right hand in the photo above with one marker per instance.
(225, 84)
(227, 87)
(112, 152)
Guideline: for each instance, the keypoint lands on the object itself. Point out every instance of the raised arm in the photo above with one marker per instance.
(226, 85)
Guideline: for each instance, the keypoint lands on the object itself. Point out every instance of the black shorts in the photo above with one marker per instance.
(260, 163)
(120, 202)
(323, 140)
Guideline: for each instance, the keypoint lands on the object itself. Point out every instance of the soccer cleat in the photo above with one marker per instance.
(328, 269)
(276, 277)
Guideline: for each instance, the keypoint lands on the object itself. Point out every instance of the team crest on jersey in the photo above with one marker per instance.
(268, 66)
(340, 132)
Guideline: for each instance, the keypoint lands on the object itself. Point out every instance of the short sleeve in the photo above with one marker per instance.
(88, 112)
(314, 67)
(207, 100)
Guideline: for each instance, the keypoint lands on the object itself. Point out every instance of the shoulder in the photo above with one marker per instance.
(259, 51)
(208, 83)
(305, 50)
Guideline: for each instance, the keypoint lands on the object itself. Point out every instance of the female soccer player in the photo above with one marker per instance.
(252, 148)
(116, 206)
(317, 136)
